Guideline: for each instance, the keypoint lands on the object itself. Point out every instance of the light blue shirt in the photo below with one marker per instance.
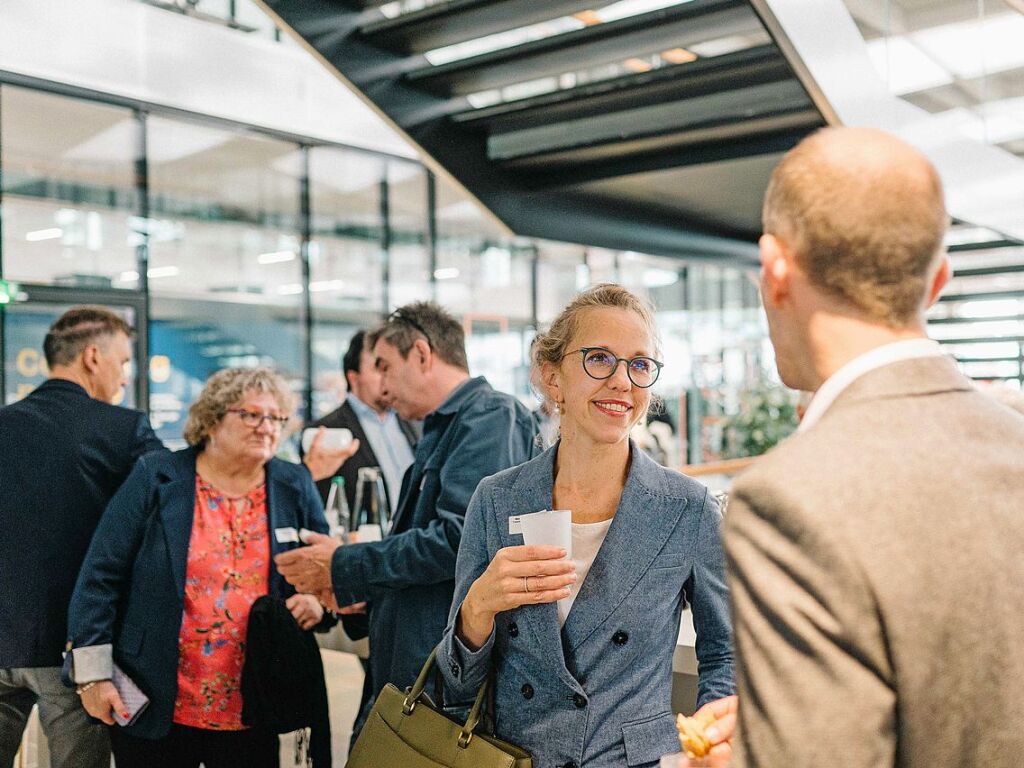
(388, 443)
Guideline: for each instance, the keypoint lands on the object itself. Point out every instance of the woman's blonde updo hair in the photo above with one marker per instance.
(225, 389)
(551, 347)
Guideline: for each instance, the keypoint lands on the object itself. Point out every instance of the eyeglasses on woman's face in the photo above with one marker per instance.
(600, 363)
(253, 419)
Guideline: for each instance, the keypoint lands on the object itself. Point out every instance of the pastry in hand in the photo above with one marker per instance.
(692, 735)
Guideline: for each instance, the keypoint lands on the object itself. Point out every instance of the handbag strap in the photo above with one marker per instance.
(413, 696)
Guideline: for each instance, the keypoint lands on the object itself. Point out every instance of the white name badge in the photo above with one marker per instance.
(515, 525)
(286, 535)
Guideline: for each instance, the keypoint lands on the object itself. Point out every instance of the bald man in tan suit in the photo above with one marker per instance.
(876, 557)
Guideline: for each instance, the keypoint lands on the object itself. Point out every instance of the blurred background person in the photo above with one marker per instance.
(581, 650)
(181, 553)
(656, 436)
(385, 439)
(64, 451)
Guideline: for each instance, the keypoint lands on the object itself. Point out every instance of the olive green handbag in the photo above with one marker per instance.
(408, 730)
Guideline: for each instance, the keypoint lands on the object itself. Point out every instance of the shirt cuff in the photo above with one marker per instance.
(94, 662)
(462, 661)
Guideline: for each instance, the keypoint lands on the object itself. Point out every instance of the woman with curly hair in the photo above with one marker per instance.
(183, 550)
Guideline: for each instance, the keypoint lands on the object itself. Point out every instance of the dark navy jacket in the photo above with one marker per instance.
(62, 456)
(409, 577)
(130, 593)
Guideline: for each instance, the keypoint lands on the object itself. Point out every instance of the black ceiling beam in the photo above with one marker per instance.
(1005, 269)
(982, 340)
(708, 112)
(984, 246)
(1003, 359)
(579, 218)
(955, 320)
(580, 161)
(565, 174)
(458, 21)
(982, 296)
(669, 28)
(752, 66)
(332, 28)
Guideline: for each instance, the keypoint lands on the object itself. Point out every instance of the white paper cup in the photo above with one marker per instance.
(553, 527)
(335, 438)
(369, 532)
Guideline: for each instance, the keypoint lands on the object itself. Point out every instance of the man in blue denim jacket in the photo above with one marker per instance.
(470, 432)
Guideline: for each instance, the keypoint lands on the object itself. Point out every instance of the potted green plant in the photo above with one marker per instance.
(766, 415)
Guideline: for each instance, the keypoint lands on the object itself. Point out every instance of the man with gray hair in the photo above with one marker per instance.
(64, 451)
(875, 557)
(470, 431)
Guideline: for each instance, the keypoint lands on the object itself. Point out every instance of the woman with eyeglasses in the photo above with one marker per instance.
(581, 646)
(183, 550)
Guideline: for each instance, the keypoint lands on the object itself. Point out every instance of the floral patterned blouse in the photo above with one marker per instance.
(228, 568)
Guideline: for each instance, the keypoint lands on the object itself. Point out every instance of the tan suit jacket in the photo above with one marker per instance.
(877, 572)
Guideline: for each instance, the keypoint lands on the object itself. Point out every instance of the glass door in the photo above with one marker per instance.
(25, 324)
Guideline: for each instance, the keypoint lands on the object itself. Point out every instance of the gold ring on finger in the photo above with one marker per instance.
(526, 583)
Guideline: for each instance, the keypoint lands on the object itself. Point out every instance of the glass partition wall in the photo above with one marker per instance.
(230, 246)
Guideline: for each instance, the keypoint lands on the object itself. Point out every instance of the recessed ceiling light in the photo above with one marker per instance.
(44, 234)
(162, 272)
(275, 257)
(318, 286)
(637, 65)
(678, 56)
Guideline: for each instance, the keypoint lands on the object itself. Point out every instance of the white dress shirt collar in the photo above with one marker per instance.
(853, 370)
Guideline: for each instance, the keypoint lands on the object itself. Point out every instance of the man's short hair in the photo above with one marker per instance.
(353, 355)
(864, 231)
(76, 329)
(424, 320)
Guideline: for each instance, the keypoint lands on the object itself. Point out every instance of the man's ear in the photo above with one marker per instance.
(776, 270)
(90, 358)
(349, 376)
(421, 349)
(939, 279)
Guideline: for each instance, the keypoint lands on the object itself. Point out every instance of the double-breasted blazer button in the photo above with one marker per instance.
(527, 690)
(579, 700)
(513, 629)
(570, 764)
(455, 668)
(620, 638)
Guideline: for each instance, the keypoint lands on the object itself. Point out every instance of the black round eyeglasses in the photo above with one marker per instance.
(600, 363)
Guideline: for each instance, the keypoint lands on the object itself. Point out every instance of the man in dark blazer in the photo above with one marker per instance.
(875, 557)
(385, 439)
(470, 431)
(64, 451)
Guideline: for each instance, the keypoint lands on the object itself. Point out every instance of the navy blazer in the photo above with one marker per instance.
(598, 692)
(130, 593)
(409, 576)
(63, 454)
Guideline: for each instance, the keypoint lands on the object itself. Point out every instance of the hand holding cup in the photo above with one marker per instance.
(523, 575)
